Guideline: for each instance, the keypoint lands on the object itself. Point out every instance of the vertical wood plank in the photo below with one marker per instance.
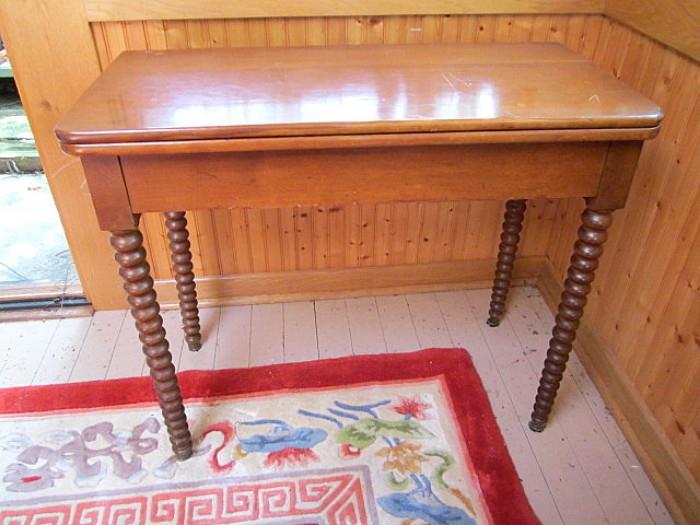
(366, 332)
(397, 324)
(96, 352)
(333, 329)
(20, 367)
(300, 343)
(62, 351)
(266, 337)
(127, 359)
(428, 321)
(233, 345)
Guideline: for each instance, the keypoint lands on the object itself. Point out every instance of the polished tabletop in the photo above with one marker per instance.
(287, 92)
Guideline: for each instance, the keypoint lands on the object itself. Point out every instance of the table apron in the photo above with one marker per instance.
(341, 176)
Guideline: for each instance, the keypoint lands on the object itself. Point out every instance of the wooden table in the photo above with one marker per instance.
(169, 131)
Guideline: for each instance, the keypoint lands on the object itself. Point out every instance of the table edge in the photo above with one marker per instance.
(376, 140)
(315, 129)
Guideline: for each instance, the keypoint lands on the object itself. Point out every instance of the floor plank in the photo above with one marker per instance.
(427, 318)
(20, 366)
(397, 324)
(300, 343)
(127, 358)
(267, 335)
(366, 333)
(99, 344)
(6, 345)
(333, 329)
(233, 349)
(63, 350)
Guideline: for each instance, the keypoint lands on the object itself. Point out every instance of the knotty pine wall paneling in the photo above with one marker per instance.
(645, 304)
(673, 22)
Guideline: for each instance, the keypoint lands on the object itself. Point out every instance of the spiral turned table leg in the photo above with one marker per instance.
(587, 251)
(512, 226)
(138, 284)
(178, 235)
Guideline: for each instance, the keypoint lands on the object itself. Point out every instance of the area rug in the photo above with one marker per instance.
(406, 439)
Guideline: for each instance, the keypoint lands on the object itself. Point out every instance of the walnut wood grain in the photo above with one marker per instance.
(584, 261)
(507, 249)
(676, 23)
(176, 222)
(134, 270)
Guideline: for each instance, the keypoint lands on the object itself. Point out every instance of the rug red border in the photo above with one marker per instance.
(501, 487)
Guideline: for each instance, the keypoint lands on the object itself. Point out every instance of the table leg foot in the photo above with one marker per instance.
(512, 226)
(138, 284)
(536, 426)
(587, 251)
(176, 222)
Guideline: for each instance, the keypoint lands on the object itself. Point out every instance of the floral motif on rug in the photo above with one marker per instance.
(378, 452)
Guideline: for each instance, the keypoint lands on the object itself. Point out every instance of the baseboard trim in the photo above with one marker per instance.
(672, 479)
(254, 288)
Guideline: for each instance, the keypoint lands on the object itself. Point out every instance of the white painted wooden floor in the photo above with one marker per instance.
(581, 470)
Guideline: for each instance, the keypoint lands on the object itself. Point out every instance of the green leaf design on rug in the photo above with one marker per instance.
(396, 484)
(441, 470)
(365, 432)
